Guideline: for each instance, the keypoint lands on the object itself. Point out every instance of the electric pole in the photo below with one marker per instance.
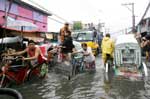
(133, 15)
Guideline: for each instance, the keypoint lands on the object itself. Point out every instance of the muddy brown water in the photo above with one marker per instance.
(88, 85)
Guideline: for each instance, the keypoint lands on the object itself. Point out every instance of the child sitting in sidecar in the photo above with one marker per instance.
(89, 58)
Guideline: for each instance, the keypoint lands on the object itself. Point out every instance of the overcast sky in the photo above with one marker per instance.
(115, 16)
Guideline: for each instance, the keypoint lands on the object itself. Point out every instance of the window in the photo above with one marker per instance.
(85, 37)
(38, 16)
(128, 55)
(14, 7)
(2, 5)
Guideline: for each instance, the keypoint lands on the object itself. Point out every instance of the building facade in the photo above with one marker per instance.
(144, 26)
(19, 10)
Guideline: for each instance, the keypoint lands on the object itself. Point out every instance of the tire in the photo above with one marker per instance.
(78, 69)
(31, 73)
(11, 92)
(106, 76)
(69, 77)
(37, 71)
(82, 67)
(107, 67)
(98, 51)
(74, 70)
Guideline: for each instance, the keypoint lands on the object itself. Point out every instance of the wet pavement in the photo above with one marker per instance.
(89, 85)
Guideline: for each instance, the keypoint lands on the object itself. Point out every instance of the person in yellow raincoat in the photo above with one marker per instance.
(107, 47)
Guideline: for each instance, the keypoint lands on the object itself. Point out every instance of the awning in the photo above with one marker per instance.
(17, 29)
(36, 39)
(11, 39)
(21, 25)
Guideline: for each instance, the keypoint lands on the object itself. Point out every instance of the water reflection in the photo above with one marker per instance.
(124, 88)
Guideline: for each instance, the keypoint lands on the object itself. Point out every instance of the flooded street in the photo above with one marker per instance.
(85, 86)
(71, 32)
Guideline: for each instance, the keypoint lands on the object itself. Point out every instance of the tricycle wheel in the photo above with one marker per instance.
(10, 92)
(69, 77)
(38, 71)
(98, 51)
(33, 73)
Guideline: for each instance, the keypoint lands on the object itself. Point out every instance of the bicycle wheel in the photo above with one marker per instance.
(32, 73)
(38, 71)
(106, 67)
(82, 67)
(74, 69)
(50, 65)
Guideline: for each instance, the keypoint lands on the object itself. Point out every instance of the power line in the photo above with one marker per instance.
(145, 12)
(56, 20)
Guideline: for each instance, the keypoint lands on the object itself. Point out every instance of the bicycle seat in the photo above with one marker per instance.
(109, 57)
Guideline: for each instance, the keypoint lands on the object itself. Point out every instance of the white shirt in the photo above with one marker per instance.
(90, 57)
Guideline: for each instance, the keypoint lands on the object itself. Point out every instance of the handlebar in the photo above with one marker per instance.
(61, 47)
(12, 58)
(13, 61)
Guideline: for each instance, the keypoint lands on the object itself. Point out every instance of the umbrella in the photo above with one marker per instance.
(22, 25)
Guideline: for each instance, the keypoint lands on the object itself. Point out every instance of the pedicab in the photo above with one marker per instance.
(12, 69)
(7, 46)
(74, 66)
(127, 58)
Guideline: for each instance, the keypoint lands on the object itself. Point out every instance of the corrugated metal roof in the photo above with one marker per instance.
(127, 38)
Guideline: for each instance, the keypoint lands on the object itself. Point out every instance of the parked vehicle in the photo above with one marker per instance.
(52, 37)
(50, 41)
(127, 58)
(88, 37)
(8, 43)
(75, 34)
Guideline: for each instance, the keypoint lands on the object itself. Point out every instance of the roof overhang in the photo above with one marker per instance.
(27, 5)
(123, 39)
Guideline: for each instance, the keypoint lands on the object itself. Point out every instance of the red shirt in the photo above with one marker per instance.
(31, 53)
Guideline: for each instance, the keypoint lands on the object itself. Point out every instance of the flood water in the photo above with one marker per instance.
(87, 85)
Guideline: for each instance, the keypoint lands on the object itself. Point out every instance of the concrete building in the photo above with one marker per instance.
(144, 26)
(19, 10)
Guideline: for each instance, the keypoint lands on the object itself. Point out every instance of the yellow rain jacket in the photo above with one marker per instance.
(107, 46)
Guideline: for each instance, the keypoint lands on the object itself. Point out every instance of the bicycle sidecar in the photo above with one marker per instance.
(127, 57)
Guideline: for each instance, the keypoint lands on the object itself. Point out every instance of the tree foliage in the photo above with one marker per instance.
(77, 25)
